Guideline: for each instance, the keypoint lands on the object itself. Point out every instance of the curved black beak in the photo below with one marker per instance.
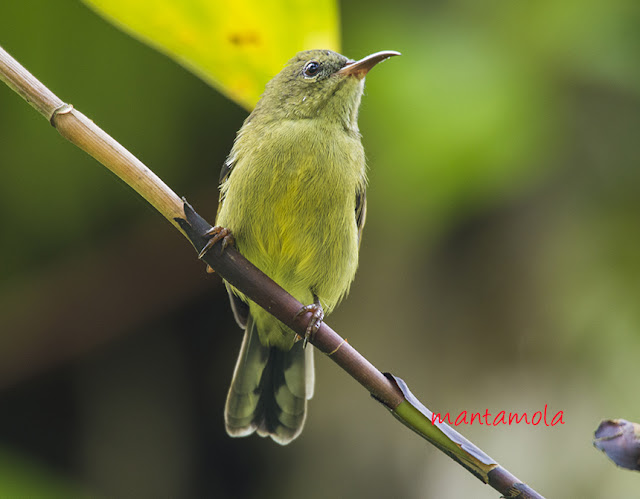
(360, 68)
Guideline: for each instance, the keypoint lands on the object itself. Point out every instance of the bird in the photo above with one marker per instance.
(293, 202)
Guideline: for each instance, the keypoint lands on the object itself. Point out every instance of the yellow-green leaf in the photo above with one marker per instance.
(235, 45)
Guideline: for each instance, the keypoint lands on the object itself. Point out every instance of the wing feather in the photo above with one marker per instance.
(361, 211)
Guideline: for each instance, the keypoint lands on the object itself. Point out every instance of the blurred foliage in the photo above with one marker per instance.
(236, 46)
(21, 478)
(500, 265)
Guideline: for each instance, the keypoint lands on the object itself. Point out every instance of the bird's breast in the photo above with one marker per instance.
(291, 205)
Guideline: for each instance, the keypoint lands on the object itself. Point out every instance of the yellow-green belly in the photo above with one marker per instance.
(290, 204)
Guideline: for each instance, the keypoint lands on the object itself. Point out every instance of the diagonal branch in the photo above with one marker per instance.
(242, 274)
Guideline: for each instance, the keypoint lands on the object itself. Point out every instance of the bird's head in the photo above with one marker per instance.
(318, 84)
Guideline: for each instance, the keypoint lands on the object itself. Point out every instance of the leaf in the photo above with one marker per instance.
(236, 46)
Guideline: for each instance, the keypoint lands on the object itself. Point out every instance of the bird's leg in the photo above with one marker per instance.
(215, 234)
(317, 314)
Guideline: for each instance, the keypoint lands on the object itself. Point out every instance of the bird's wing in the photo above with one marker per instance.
(226, 170)
(239, 307)
(227, 167)
(361, 211)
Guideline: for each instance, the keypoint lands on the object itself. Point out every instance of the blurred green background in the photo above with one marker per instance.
(500, 267)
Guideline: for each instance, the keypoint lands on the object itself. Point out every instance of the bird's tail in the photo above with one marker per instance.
(269, 389)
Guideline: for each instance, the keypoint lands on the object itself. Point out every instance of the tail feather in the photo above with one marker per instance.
(243, 396)
(269, 390)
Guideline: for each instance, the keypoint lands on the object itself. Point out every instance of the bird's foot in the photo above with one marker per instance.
(215, 234)
(317, 315)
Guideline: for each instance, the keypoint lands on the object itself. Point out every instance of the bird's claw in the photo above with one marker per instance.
(215, 234)
(317, 315)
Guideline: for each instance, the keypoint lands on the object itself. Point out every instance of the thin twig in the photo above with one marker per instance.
(238, 271)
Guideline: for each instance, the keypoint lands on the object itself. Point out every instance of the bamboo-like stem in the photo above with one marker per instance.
(238, 271)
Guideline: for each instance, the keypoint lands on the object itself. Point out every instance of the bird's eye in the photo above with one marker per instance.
(311, 68)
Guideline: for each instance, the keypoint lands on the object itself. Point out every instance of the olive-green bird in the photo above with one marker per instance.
(292, 200)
